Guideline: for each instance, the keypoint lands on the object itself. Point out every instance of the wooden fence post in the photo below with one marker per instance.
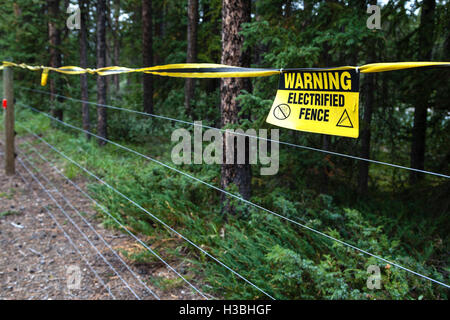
(8, 94)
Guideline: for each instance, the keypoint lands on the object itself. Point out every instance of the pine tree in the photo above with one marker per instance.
(147, 53)
(101, 62)
(425, 48)
(191, 51)
(84, 10)
(54, 35)
(234, 14)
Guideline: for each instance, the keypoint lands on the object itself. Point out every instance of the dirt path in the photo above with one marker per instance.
(37, 261)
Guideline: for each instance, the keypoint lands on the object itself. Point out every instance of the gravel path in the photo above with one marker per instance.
(37, 261)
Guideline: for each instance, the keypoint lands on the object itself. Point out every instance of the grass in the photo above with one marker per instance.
(286, 261)
(8, 213)
(8, 195)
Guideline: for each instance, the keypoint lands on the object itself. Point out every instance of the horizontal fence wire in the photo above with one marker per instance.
(71, 241)
(245, 135)
(35, 178)
(151, 250)
(233, 196)
(151, 215)
(75, 247)
(52, 185)
(115, 219)
(69, 238)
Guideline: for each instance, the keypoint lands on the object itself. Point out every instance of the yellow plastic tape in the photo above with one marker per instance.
(44, 77)
(321, 100)
(210, 70)
(392, 66)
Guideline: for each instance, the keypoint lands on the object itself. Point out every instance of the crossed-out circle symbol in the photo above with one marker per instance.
(282, 111)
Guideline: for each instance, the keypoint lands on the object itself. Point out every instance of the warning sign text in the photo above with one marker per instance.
(318, 101)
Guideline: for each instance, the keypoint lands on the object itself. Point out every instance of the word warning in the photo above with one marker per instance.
(318, 101)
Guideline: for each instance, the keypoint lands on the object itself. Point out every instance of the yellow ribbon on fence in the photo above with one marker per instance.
(382, 67)
(209, 70)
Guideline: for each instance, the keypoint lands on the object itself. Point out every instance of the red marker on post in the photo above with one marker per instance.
(5, 104)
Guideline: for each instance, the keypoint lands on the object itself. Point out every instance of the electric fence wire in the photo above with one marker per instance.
(71, 241)
(73, 245)
(112, 217)
(152, 215)
(245, 135)
(228, 194)
(78, 228)
(52, 185)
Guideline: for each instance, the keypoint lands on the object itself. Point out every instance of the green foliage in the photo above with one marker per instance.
(287, 261)
(8, 213)
(405, 224)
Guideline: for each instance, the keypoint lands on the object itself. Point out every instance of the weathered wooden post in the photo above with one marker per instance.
(8, 105)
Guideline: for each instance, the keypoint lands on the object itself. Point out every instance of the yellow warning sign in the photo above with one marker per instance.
(321, 101)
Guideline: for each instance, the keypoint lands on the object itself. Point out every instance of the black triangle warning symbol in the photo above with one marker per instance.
(344, 121)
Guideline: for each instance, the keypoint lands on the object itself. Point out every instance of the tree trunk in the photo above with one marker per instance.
(234, 13)
(116, 42)
(324, 177)
(363, 178)
(101, 62)
(83, 63)
(160, 27)
(191, 51)
(426, 40)
(369, 103)
(54, 35)
(211, 84)
(147, 54)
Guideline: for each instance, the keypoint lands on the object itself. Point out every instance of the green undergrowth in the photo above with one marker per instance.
(8, 213)
(285, 260)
